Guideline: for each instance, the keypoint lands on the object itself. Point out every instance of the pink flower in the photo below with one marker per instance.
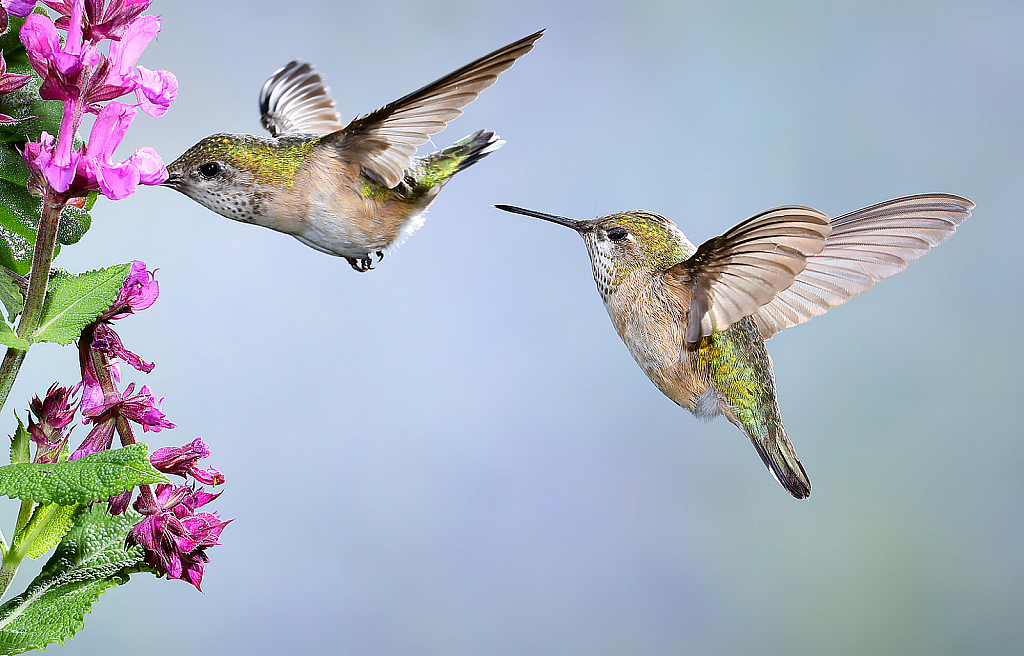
(58, 163)
(138, 292)
(174, 536)
(181, 461)
(116, 181)
(155, 91)
(42, 42)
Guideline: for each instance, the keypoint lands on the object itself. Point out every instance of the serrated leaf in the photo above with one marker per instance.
(97, 476)
(91, 558)
(76, 301)
(20, 451)
(48, 525)
(11, 296)
(74, 222)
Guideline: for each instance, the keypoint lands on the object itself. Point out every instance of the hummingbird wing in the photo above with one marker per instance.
(295, 101)
(383, 142)
(865, 246)
(731, 276)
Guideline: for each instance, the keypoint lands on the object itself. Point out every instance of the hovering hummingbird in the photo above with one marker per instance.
(696, 319)
(345, 190)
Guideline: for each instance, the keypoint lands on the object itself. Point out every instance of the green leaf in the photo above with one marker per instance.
(8, 338)
(74, 302)
(20, 451)
(74, 222)
(11, 296)
(91, 558)
(93, 477)
(12, 166)
(19, 220)
(48, 525)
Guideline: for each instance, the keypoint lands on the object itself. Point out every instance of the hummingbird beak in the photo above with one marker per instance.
(560, 220)
(172, 180)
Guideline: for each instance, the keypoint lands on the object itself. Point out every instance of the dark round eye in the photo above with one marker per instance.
(617, 233)
(210, 170)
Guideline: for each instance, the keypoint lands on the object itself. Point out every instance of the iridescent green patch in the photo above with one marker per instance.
(271, 162)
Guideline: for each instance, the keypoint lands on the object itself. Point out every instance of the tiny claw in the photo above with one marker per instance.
(380, 256)
(360, 264)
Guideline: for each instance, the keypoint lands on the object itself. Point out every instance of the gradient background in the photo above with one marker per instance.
(454, 454)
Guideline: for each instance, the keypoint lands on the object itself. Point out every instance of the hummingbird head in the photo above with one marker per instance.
(624, 243)
(234, 174)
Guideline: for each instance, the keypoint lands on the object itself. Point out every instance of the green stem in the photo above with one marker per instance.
(24, 515)
(7, 572)
(42, 258)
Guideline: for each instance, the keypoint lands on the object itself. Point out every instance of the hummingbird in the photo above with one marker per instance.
(696, 318)
(346, 190)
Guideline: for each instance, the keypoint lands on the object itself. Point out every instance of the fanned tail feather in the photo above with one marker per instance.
(437, 168)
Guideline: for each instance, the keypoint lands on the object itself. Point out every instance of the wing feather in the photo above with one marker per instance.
(864, 247)
(731, 276)
(384, 141)
(295, 101)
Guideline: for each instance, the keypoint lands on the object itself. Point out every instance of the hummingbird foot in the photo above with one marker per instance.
(380, 256)
(360, 264)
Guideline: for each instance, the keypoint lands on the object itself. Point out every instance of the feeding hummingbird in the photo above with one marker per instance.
(696, 318)
(344, 190)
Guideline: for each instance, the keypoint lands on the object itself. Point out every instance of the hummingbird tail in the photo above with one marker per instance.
(780, 457)
(439, 167)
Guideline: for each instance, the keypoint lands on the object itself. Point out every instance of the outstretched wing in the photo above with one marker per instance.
(294, 100)
(383, 142)
(731, 276)
(865, 246)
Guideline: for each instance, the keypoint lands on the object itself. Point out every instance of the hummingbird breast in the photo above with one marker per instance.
(335, 209)
(651, 321)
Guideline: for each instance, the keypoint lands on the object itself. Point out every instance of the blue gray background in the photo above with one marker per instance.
(455, 455)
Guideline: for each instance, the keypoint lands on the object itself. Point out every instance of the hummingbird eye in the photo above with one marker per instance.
(617, 233)
(209, 170)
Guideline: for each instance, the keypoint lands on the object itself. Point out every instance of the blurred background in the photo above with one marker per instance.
(454, 454)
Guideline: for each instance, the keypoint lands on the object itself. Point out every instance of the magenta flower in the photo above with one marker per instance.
(181, 461)
(142, 408)
(108, 342)
(139, 291)
(117, 181)
(102, 23)
(54, 413)
(42, 42)
(78, 74)
(117, 76)
(174, 536)
(57, 410)
(99, 438)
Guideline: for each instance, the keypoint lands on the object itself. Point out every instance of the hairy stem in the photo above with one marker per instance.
(39, 276)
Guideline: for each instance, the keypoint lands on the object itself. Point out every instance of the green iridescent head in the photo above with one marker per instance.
(228, 172)
(622, 243)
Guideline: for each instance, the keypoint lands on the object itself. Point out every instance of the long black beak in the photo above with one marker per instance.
(560, 220)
